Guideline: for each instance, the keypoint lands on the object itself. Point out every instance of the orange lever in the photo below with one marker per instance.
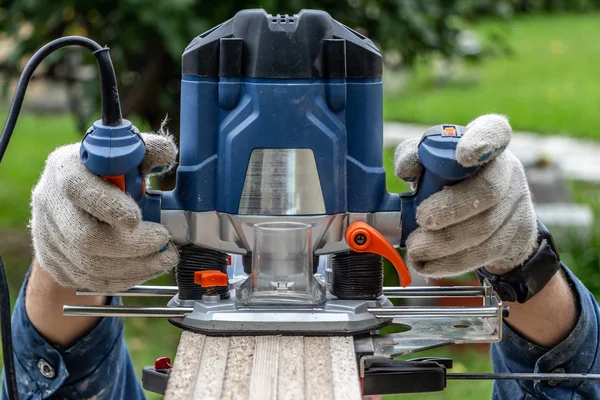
(211, 278)
(119, 181)
(363, 238)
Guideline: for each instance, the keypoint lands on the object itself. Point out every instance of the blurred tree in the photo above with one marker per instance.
(147, 38)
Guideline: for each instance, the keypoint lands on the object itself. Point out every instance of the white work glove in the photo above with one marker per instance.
(89, 234)
(486, 220)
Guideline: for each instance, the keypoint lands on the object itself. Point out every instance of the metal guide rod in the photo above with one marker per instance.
(399, 312)
(393, 292)
(142, 291)
(525, 376)
(125, 311)
(174, 312)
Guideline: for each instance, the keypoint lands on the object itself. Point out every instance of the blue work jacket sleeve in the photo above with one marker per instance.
(577, 353)
(97, 366)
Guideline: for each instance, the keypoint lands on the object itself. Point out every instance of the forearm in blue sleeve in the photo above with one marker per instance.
(97, 366)
(578, 353)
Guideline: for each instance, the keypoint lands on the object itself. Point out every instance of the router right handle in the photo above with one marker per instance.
(437, 152)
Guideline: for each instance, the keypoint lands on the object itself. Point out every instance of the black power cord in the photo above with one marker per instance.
(111, 116)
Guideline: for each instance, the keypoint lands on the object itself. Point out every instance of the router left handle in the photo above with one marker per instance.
(115, 153)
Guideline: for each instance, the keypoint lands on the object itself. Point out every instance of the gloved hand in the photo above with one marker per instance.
(486, 220)
(89, 234)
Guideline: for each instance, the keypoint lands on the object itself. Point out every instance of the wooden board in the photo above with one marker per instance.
(264, 368)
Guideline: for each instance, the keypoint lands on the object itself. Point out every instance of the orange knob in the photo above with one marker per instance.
(211, 278)
(363, 238)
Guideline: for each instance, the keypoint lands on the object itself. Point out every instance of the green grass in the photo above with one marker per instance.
(393, 184)
(34, 138)
(583, 256)
(549, 85)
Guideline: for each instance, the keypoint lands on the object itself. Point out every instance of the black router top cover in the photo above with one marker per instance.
(255, 44)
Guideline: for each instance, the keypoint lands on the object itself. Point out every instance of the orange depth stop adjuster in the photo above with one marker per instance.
(363, 238)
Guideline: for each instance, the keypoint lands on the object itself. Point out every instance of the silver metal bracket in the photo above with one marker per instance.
(426, 326)
(439, 326)
(336, 317)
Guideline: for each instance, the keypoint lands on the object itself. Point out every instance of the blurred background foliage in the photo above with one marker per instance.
(147, 37)
(446, 60)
